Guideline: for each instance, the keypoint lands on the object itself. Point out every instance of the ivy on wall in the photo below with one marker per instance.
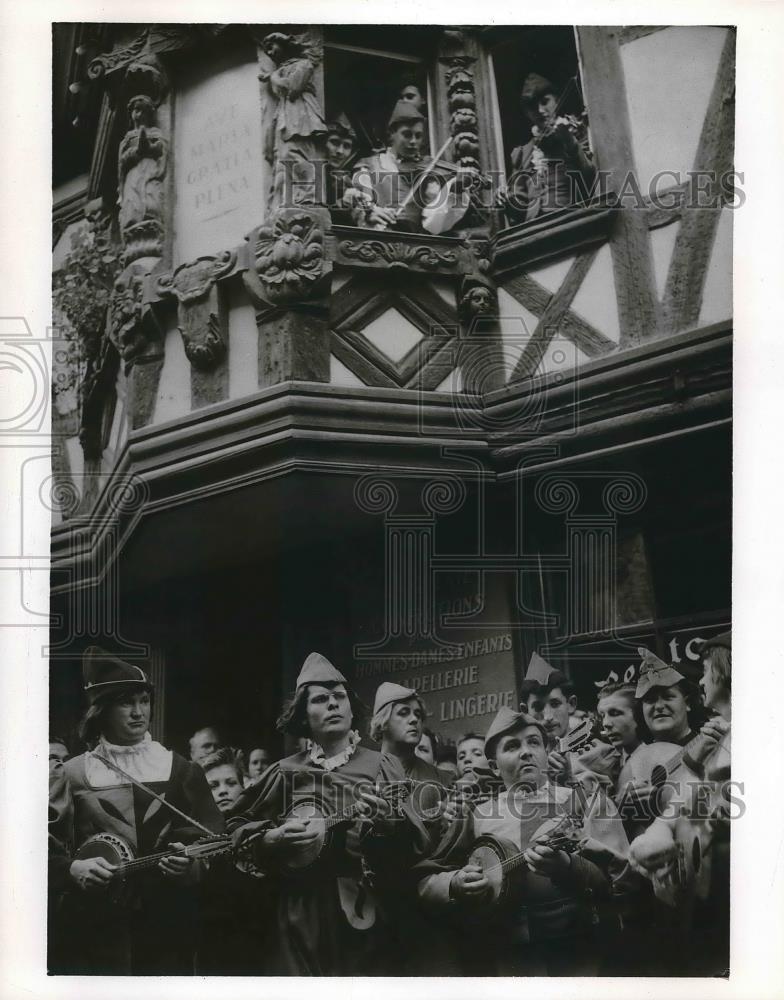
(81, 291)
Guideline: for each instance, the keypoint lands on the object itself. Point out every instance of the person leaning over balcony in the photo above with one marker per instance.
(382, 183)
(553, 170)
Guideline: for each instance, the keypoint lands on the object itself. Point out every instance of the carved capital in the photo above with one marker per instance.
(201, 323)
(155, 38)
(287, 257)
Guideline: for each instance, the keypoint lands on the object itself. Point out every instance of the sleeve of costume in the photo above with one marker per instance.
(362, 181)
(445, 210)
(258, 809)
(584, 876)
(60, 829)
(434, 874)
(391, 848)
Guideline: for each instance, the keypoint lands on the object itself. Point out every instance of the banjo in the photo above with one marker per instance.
(501, 861)
(118, 852)
(314, 812)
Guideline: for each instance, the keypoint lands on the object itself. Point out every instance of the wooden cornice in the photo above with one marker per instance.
(676, 386)
(530, 244)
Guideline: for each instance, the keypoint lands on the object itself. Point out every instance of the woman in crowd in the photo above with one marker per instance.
(149, 930)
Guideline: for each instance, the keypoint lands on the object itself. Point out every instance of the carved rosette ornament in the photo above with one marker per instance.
(200, 317)
(287, 257)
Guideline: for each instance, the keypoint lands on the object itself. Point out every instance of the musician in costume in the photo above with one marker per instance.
(401, 189)
(700, 806)
(553, 170)
(149, 931)
(547, 923)
(398, 724)
(327, 916)
(340, 150)
(615, 706)
(548, 696)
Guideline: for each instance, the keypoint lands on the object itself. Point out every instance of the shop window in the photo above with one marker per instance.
(549, 168)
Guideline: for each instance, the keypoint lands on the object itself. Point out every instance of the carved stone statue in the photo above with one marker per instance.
(143, 161)
(295, 128)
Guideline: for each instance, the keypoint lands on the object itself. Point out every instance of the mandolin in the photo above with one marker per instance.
(316, 813)
(501, 861)
(119, 853)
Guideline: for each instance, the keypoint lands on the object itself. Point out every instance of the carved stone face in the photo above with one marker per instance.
(478, 300)
(275, 46)
(142, 111)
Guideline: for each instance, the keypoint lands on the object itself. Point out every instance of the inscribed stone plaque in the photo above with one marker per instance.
(219, 171)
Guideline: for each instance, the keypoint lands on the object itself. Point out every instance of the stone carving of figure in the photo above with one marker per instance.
(296, 127)
(143, 162)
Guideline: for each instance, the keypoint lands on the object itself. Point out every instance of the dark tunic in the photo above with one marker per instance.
(322, 912)
(564, 179)
(151, 931)
(547, 929)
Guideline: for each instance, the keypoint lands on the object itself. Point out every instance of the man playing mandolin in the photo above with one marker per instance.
(148, 931)
(533, 898)
(323, 812)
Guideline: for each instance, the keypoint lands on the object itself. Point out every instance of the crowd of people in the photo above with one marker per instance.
(565, 840)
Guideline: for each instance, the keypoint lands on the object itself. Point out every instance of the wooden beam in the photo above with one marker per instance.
(358, 363)
(552, 316)
(694, 244)
(608, 111)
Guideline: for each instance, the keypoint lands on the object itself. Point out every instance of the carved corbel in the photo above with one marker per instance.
(200, 310)
(478, 298)
(132, 327)
(287, 259)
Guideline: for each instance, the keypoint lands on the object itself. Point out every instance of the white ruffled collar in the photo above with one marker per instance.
(105, 747)
(317, 757)
(144, 761)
